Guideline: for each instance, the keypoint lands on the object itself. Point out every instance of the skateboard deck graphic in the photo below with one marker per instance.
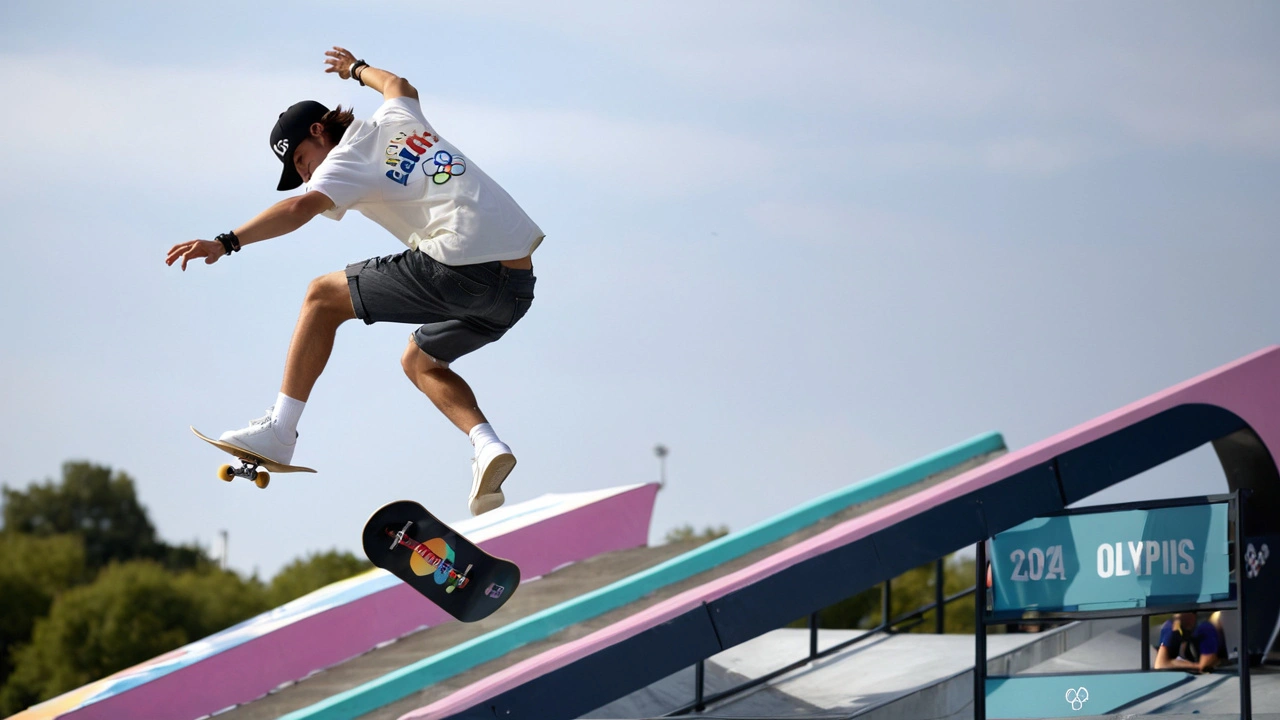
(251, 463)
(405, 539)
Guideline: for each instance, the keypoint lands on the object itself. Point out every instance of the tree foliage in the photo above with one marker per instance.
(89, 589)
(32, 572)
(312, 573)
(687, 533)
(102, 508)
(132, 612)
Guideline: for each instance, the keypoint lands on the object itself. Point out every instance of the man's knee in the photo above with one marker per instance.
(328, 294)
(416, 362)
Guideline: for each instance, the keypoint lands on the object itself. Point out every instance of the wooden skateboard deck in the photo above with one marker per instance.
(251, 463)
(432, 558)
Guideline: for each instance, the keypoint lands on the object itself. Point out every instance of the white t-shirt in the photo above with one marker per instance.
(395, 170)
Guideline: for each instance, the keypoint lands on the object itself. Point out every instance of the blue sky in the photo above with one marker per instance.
(798, 243)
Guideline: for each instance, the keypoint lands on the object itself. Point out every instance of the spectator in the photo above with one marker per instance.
(1190, 646)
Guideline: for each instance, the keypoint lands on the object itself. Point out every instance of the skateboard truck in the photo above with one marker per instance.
(400, 535)
(248, 469)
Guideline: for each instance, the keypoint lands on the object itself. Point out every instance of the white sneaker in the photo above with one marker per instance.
(260, 439)
(487, 473)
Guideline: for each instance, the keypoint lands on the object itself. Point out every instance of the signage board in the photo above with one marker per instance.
(1078, 562)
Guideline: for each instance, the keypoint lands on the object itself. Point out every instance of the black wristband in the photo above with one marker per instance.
(356, 66)
(230, 243)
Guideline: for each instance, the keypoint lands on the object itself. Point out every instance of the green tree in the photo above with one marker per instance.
(686, 533)
(220, 599)
(305, 575)
(130, 613)
(32, 572)
(99, 506)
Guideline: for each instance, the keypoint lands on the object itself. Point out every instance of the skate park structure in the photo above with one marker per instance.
(642, 641)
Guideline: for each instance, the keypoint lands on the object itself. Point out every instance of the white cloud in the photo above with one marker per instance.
(154, 127)
(633, 156)
(1166, 80)
(159, 127)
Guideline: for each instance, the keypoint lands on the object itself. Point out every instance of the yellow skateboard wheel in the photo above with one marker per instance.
(224, 473)
(262, 479)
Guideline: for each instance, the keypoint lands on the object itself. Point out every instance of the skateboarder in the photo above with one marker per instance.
(466, 278)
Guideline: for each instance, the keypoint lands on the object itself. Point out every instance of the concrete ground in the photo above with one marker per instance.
(850, 681)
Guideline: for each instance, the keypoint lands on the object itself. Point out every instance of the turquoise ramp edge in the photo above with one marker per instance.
(414, 677)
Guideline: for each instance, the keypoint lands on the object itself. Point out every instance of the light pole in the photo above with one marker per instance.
(661, 451)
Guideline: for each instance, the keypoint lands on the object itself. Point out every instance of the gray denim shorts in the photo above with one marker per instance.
(460, 308)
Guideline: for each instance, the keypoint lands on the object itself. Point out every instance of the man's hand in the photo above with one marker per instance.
(210, 250)
(389, 84)
(340, 61)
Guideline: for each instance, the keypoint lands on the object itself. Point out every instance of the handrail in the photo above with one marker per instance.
(701, 701)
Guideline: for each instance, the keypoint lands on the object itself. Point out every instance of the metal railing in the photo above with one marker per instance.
(886, 626)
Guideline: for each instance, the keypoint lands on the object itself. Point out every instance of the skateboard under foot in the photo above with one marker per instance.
(249, 464)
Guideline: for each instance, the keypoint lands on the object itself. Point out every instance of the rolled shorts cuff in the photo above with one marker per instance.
(353, 286)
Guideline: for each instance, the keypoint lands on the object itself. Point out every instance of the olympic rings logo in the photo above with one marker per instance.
(1077, 697)
(1254, 559)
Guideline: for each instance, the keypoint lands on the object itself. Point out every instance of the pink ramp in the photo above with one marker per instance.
(1248, 390)
(348, 618)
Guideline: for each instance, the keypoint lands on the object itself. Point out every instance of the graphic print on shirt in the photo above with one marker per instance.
(405, 152)
(447, 166)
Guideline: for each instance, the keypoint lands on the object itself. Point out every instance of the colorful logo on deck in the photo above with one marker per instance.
(494, 590)
(434, 557)
(406, 151)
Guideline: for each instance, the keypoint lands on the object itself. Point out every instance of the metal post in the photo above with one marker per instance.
(1145, 634)
(699, 674)
(980, 634)
(939, 597)
(886, 606)
(1246, 694)
(813, 635)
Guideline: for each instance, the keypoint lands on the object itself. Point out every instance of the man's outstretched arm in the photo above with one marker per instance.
(389, 84)
(280, 219)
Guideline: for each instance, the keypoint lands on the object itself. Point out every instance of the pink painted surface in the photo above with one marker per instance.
(247, 671)
(1249, 387)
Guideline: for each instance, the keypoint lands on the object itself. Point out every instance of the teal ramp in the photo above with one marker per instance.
(1053, 696)
(428, 671)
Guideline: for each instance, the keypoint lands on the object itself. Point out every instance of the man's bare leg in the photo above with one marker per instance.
(444, 387)
(326, 306)
(452, 396)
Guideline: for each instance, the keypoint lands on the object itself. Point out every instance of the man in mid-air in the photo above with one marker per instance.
(466, 278)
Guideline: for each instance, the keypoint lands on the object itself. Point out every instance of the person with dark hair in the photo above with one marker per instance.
(466, 278)
(1191, 646)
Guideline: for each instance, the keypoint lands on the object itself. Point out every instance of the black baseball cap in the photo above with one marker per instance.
(293, 127)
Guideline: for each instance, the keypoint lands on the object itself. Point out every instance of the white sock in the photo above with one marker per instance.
(482, 435)
(285, 417)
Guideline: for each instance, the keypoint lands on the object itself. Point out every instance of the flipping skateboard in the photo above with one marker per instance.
(250, 463)
(432, 558)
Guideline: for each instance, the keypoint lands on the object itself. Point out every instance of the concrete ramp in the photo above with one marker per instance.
(351, 617)
(1236, 407)
(404, 687)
